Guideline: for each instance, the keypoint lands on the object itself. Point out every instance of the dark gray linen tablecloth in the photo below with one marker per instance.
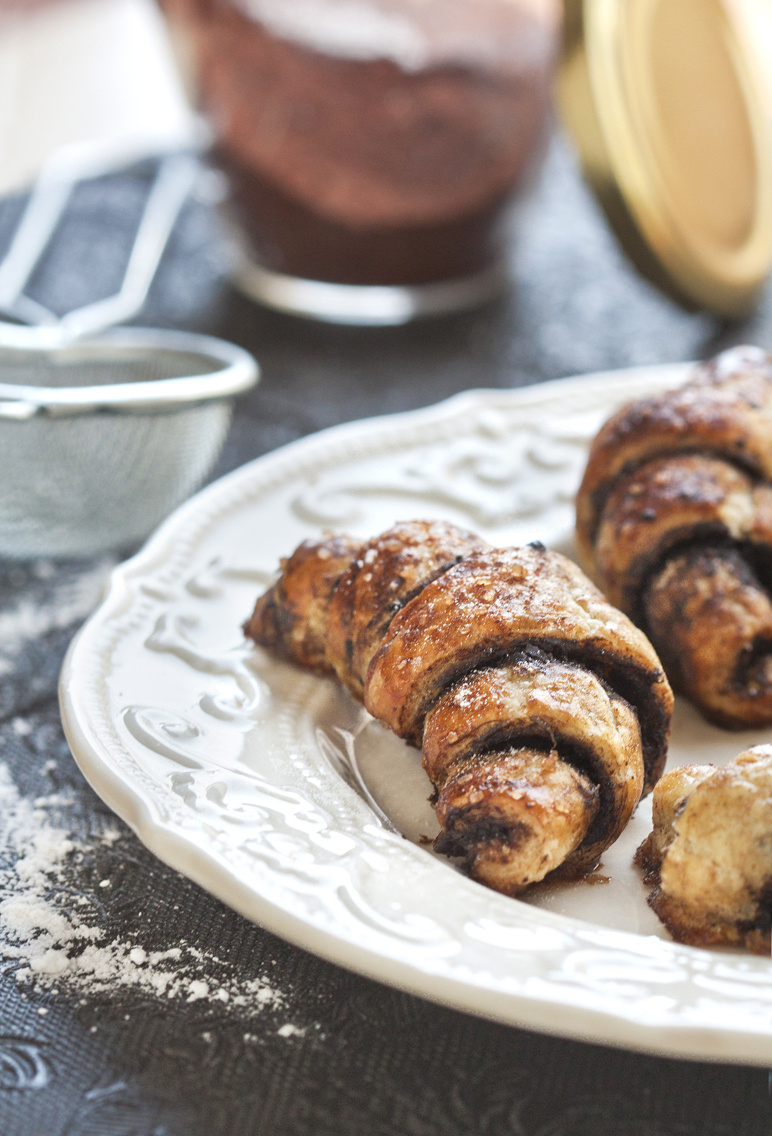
(311, 1049)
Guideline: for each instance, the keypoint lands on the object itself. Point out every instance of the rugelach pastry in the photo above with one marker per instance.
(542, 712)
(674, 523)
(709, 855)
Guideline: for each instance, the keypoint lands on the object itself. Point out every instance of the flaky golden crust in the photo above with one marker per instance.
(496, 604)
(672, 484)
(385, 574)
(724, 410)
(566, 709)
(668, 799)
(515, 816)
(291, 617)
(713, 621)
(669, 502)
(545, 709)
(710, 853)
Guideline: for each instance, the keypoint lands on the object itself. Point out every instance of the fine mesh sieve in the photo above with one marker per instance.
(102, 433)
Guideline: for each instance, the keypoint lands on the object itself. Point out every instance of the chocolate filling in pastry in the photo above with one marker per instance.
(674, 521)
(542, 712)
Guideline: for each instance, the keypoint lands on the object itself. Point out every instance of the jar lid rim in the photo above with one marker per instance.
(665, 105)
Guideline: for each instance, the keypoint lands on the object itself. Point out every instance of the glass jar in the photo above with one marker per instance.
(373, 147)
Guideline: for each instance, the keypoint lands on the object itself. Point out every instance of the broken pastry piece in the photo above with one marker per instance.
(674, 522)
(709, 855)
(542, 712)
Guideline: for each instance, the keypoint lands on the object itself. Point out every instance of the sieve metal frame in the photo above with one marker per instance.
(68, 489)
(82, 333)
(238, 372)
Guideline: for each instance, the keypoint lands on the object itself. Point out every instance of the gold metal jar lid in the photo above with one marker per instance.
(663, 102)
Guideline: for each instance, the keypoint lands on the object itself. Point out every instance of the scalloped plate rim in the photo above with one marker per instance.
(544, 1011)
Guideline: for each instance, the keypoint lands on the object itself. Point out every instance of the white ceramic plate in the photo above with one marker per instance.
(270, 788)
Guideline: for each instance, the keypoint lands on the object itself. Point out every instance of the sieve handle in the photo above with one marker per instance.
(174, 181)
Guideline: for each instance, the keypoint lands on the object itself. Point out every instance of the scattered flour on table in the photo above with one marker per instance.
(289, 1030)
(72, 602)
(47, 943)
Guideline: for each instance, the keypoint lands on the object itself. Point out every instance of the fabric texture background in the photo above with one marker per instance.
(339, 1054)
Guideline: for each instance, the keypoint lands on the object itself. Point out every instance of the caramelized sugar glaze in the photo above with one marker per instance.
(542, 712)
(674, 521)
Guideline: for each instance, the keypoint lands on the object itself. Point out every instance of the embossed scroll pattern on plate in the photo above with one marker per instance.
(261, 782)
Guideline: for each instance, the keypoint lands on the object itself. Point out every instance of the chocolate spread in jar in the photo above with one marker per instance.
(374, 141)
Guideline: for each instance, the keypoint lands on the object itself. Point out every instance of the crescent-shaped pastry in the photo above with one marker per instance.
(542, 711)
(674, 521)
